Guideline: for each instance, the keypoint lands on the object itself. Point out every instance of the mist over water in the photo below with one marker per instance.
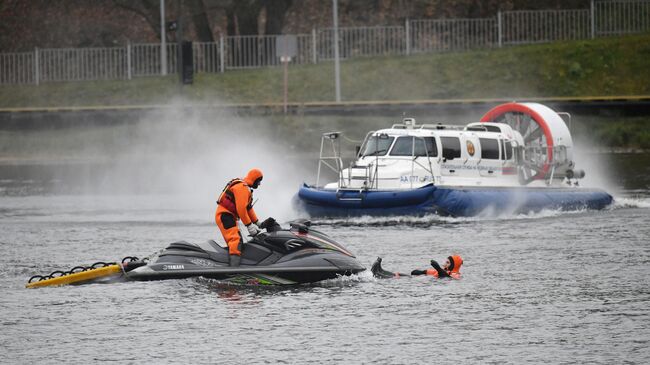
(196, 155)
(188, 156)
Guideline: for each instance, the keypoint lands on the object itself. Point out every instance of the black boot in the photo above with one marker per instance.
(376, 267)
(380, 273)
(234, 260)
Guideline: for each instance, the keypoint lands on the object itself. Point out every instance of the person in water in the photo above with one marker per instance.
(449, 269)
(236, 202)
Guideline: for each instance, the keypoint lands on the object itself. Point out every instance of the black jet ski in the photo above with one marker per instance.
(296, 255)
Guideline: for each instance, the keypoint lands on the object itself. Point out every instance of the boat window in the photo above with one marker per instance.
(489, 148)
(477, 129)
(484, 128)
(432, 147)
(507, 151)
(404, 147)
(377, 145)
(450, 147)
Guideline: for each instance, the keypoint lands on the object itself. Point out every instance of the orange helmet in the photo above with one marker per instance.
(455, 262)
(254, 178)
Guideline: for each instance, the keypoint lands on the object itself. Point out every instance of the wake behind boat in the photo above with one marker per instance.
(277, 257)
(518, 158)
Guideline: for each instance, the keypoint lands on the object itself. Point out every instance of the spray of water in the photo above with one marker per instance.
(187, 156)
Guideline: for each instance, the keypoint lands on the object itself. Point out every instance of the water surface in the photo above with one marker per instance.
(556, 287)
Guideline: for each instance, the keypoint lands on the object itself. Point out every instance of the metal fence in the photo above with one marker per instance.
(616, 17)
(18, 68)
(441, 35)
(80, 64)
(526, 27)
(603, 18)
(361, 41)
(145, 60)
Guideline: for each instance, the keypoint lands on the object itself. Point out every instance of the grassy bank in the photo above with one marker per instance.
(601, 67)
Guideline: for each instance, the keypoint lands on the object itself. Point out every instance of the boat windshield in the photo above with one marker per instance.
(377, 145)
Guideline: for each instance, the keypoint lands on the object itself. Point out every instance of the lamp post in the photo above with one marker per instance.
(337, 70)
(163, 40)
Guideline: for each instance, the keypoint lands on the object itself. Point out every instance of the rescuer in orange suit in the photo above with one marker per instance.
(449, 269)
(236, 202)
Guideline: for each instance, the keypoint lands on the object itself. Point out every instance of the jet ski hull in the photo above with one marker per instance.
(316, 267)
(270, 275)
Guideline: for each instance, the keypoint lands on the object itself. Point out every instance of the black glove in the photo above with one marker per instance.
(270, 225)
(441, 273)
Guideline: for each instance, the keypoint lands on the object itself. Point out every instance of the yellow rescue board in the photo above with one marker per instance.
(77, 277)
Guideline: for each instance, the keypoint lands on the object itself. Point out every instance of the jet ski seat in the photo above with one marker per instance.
(251, 253)
(185, 246)
(217, 252)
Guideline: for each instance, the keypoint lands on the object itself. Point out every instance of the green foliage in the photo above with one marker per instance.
(614, 131)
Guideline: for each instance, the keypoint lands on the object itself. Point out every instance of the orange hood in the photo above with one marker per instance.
(455, 263)
(253, 175)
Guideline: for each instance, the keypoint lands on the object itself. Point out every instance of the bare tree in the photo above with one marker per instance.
(276, 12)
(149, 10)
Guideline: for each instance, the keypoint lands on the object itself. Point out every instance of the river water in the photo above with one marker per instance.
(553, 287)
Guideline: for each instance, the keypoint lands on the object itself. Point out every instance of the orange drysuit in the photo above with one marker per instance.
(453, 270)
(236, 202)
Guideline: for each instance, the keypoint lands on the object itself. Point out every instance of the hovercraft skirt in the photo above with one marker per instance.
(446, 200)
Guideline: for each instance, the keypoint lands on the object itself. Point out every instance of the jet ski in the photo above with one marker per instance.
(278, 256)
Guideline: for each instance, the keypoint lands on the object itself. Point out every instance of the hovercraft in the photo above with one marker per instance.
(278, 256)
(517, 159)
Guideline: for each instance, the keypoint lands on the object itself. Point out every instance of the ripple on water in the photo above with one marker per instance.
(544, 287)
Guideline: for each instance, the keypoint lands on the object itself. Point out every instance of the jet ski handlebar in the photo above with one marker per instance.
(271, 225)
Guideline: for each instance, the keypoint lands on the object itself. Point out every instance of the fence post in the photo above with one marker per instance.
(222, 67)
(593, 19)
(407, 30)
(37, 69)
(500, 28)
(128, 60)
(313, 46)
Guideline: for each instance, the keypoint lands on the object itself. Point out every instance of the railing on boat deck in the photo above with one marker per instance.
(371, 171)
(333, 137)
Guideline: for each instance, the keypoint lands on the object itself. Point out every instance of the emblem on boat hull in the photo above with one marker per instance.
(470, 148)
